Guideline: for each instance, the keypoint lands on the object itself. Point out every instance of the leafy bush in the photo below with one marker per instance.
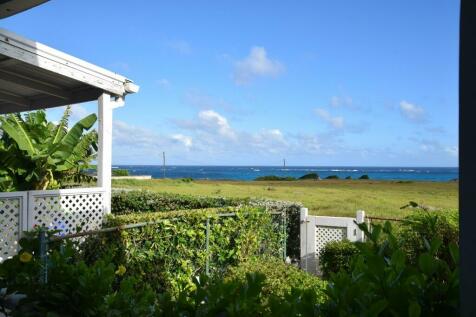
(247, 295)
(381, 282)
(427, 225)
(145, 201)
(384, 282)
(120, 172)
(365, 176)
(310, 176)
(337, 256)
(168, 253)
(332, 177)
(125, 202)
(281, 278)
(348, 177)
(275, 178)
(72, 288)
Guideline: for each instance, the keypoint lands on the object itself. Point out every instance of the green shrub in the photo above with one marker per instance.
(275, 178)
(125, 202)
(73, 288)
(383, 282)
(332, 177)
(365, 176)
(248, 294)
(423, 226)
(348, 177)
(281, 278)
(336, 256)
(145, 201)
(310, 176)
(120, 172)
(170, 252)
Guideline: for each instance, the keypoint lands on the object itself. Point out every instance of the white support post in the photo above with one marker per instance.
(104, 161)
(360, 218)
(303, 234)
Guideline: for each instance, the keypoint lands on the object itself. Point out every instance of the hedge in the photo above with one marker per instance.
(336, 256)
(281, 278)
(167, 254)
(134, 202)
(125, 202)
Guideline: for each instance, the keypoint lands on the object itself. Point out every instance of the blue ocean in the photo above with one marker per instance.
(251, 172)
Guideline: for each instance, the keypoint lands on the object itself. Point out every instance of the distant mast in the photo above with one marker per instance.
(284, 163)
(163, 165)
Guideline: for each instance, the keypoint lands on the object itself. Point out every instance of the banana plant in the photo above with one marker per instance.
(38, 154)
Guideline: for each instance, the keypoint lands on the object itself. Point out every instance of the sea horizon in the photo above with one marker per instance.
(251, 172)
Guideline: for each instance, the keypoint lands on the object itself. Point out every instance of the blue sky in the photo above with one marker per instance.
(248, 83)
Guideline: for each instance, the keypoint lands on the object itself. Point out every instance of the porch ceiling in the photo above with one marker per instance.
(34, 76)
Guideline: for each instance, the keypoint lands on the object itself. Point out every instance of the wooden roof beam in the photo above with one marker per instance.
(18, 100)
(34, 84)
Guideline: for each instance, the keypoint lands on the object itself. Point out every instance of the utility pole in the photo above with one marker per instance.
(163, 167)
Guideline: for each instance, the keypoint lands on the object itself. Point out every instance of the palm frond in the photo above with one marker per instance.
(62, 127)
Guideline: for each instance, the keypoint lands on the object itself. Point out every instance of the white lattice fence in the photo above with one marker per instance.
(64, 209)
(12, 212)
(317, 231)
(325, 234)
(67, 209)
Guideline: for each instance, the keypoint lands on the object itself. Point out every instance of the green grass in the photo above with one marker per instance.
(324, 197)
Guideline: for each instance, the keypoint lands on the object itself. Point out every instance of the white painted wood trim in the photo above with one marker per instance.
(104, 162)
(360, 218)
(37, 54)
(66, 191)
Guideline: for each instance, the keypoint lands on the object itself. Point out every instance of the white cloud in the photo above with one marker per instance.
(180, 46)
(256, 64)
(434, 146)
(185, 140)
(125, 134)
(216, 122)
(337, 101)
(163, 83)
(412, 112)
(452, 150)
(335, 122)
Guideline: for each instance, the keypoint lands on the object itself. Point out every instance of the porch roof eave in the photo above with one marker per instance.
(35, 76)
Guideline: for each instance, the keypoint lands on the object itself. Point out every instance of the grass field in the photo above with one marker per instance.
(325, 197)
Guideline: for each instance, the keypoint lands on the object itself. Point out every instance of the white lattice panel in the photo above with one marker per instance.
(10, 225)
(326, 234)
(67, 211)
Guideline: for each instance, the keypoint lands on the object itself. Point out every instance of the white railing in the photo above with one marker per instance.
(317, 231)
(63, 209)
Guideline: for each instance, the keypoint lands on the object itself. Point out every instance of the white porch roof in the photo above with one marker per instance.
(34, 76)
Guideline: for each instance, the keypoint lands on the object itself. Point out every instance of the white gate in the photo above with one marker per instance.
(317, 231)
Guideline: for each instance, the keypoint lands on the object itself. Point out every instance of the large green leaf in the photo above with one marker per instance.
(14, 126)
(37, 154)
(71, 139)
